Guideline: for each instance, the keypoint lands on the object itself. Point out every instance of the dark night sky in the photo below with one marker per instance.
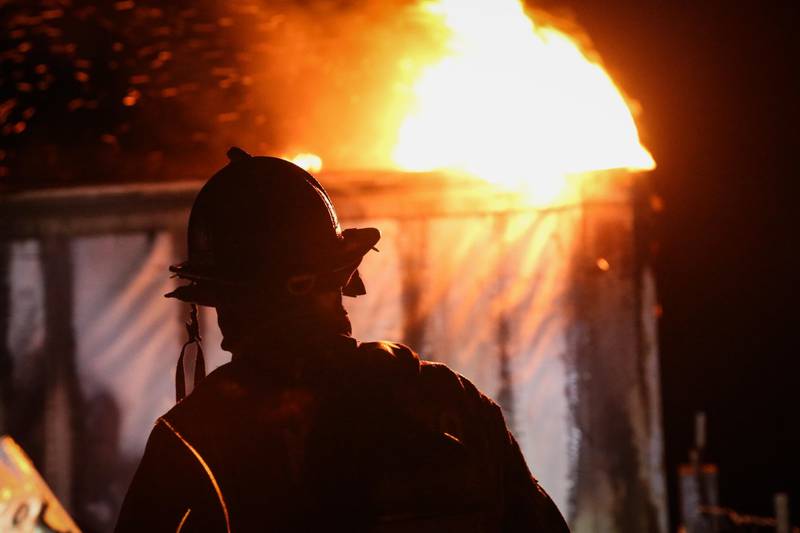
(715, 80)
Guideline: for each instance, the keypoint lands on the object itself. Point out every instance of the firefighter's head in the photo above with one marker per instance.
(263, 231)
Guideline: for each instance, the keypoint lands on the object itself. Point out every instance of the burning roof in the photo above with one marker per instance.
(149, 90)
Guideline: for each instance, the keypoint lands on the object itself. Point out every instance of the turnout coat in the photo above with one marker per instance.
(341, 436)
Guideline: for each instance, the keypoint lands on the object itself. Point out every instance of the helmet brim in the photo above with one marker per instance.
(205, 282)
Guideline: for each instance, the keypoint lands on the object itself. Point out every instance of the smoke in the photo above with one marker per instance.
(148, 90)
(336, 77)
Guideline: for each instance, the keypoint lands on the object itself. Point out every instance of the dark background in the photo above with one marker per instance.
(718, 82)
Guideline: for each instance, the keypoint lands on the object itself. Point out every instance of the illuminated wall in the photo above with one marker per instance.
(549, 311)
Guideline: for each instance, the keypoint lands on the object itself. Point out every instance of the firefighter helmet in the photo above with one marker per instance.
(263, 222)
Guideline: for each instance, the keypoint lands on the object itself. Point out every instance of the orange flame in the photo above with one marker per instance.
(515, 103)
(307, 161)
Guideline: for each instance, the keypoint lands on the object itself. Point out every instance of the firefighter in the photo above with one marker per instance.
(306, 429)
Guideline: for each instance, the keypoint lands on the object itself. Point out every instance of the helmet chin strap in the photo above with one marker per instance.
(193, 331)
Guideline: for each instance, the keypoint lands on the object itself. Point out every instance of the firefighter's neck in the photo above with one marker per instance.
(271, 328)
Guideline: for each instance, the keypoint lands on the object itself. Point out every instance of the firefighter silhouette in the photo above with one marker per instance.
(306, 429)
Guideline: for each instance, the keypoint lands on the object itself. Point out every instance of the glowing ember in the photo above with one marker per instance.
(516, 104)
(307, 161)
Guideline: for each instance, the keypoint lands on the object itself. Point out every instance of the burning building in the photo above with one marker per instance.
(509, 192)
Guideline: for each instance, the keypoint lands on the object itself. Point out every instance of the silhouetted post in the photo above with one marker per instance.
(782, 517)
(700, 432)
(698, 485)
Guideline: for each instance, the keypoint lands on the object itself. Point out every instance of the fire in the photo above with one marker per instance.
(307, 161)
(515, 103)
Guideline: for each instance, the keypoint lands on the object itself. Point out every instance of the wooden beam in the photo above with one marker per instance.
(141, 207)
(6, 364)
(62, 393)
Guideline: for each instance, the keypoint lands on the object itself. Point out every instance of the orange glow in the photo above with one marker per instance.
(307, 161)
(516, 103)
(603, 264)
(131, 98)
